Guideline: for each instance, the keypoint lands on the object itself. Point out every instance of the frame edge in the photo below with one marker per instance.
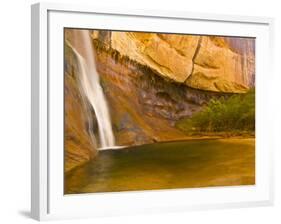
(39, 119)
(35, 178)
(39, 190)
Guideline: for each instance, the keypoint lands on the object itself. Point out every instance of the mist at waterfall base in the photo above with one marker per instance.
(92, 91)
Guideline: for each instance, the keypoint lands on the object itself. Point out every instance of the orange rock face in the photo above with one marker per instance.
(155, 52)
(78, 147)
(221, 64)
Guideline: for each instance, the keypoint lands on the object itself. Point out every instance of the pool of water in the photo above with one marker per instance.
(185, 164)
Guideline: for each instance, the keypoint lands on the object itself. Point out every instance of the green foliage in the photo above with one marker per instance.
(236, 113)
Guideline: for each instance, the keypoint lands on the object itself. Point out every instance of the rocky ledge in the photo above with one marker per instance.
(220, 64)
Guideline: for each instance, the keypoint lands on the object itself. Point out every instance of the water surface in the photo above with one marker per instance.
(185, 164)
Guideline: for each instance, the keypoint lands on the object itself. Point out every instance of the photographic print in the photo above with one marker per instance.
(154, 111)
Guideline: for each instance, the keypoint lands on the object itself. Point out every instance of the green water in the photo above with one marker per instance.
(186, 164)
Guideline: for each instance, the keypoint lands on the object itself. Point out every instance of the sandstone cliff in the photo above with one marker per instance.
(221, 64)
(77, 141)
(144, 106)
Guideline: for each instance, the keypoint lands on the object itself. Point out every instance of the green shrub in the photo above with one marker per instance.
(232, 114)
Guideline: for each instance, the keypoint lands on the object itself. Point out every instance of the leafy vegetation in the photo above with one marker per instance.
(236, 113)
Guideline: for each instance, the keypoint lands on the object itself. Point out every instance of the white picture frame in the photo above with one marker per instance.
(48, 201)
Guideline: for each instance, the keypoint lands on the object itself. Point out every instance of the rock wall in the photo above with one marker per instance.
(78, 147)
(144, 106)
(221, 64)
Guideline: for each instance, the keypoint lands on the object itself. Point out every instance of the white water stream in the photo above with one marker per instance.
(92, 90)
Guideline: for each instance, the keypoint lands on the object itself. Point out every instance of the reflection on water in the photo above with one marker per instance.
(196, 163)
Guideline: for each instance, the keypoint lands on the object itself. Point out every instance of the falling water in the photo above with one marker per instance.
(90, 85)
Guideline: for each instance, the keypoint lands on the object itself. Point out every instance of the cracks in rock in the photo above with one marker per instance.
(197, 49)
(194, 57)
(159, 65)
(178, 51)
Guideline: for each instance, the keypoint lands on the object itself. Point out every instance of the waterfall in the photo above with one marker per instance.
(93, 92)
